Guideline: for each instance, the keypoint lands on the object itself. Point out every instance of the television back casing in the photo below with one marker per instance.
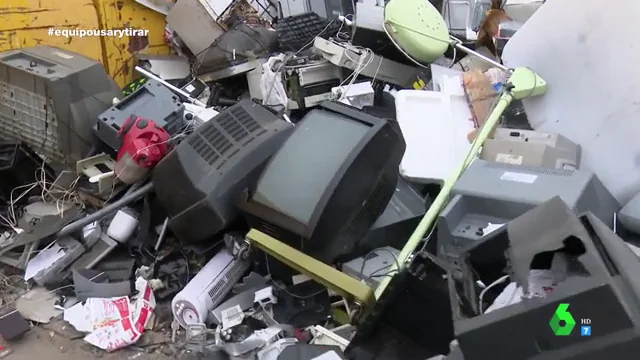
(201, 180)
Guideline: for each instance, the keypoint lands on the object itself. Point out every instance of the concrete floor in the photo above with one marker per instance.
(58, 341)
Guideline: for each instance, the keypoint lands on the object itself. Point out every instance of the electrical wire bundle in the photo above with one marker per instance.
(51, 192)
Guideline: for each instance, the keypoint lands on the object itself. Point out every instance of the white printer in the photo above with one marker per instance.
(528, 147)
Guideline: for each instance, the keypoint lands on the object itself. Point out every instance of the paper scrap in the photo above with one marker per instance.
(44, 260)
(114, 323)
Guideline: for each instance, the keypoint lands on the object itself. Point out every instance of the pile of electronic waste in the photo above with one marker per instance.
(273, 192)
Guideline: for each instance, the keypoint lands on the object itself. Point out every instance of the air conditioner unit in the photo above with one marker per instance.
(207, 289)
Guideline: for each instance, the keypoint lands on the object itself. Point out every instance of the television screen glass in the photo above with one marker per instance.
(298, 174)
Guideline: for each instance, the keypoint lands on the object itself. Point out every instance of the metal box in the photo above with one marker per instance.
(50, 99)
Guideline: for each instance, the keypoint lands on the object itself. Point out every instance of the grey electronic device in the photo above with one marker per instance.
(151, 101)
(465, 17)
(398, 221)
(244, 299)
(629, 216)
(51, 98)
(331, 9)
(311, 84)
(376, 265)
(72, 249)
(97, 251)
(490, 194)
(526, 147)
(287, 8)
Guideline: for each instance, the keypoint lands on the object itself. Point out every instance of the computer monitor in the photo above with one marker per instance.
(329, 182)
(200, 181)
(488, 195)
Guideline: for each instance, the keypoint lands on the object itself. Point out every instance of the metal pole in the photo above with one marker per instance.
(171, 87)
(105, 211)
(461, 47)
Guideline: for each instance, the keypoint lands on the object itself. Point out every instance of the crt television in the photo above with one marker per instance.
(329, 182)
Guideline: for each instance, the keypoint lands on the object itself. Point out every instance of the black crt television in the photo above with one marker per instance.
(328, 183)
(198, 183)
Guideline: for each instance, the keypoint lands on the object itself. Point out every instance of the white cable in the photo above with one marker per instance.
(365, 59)
(484, 291)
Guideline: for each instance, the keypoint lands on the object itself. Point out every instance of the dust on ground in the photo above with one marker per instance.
(58, 340)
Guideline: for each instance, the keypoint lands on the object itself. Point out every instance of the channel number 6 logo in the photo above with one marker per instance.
(562, 323)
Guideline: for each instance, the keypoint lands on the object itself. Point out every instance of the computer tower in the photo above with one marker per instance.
(489, 194)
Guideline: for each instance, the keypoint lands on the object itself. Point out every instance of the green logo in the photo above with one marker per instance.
(562, 315)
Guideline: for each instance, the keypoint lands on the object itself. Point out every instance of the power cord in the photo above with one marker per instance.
(484, 291)
(369, 256)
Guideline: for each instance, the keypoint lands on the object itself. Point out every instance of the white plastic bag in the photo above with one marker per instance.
(271, 86)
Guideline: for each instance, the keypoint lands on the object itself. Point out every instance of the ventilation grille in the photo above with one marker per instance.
(370, 212)
(230, 277)
(219, 139)
(531, 169)
(266, 228)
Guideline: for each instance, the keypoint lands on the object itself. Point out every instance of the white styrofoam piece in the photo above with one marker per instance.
(435, 127)
(593, 82)
(441, 75)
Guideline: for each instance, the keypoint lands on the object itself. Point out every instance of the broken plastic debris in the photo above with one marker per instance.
(231, 317)
(114, 323)
(44, 260)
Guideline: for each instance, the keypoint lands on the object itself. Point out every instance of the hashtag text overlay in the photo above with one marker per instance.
(97, 32)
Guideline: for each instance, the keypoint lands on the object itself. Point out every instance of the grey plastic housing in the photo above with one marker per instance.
(629, 216)
(612, 284)
(372, 267)
(398, 221)
(50, 98)
(73, 249)
(151, 101)
(532, 148)
(200, 182)
(496, 193)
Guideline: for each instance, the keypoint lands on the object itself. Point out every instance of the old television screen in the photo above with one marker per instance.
(331, 165)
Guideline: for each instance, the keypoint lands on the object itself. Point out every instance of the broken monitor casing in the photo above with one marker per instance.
(490, 194)
(608, 280)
